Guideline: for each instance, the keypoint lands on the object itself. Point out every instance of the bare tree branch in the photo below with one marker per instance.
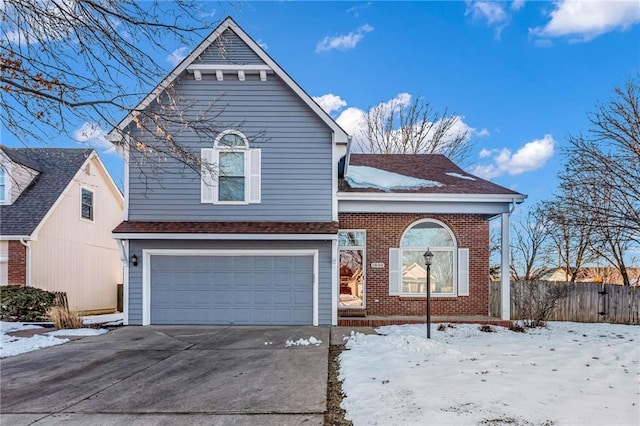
(67, 63)
(600, 187)
(398, 127)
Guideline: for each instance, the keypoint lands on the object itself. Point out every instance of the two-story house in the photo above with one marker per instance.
(57, 210)
(281, 224)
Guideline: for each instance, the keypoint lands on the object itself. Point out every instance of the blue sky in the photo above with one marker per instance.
(521, 75)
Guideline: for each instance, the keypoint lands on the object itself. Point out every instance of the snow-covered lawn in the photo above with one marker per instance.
(13, 345)
(565, 374)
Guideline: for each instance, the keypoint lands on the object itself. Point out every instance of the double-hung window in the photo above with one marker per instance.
(86, 204)
(3, 185)
(230, 171)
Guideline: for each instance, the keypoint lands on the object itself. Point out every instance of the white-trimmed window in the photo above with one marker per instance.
(86, 204)
(449, 267)
(230, 171)
(352, 247)
(3, 185)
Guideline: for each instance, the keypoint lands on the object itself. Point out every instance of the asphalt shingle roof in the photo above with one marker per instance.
(228, 227)
(424, 166)
(56, 167)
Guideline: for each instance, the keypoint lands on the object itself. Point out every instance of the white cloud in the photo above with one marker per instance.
(177, 56)
(330, 102)
(485, 153)
(517, 5)
(492, 12)
(495, 14)
(344, 42)
(355, 10)
(353, 120)
(92, 134)
(530, 157)
(585, 20)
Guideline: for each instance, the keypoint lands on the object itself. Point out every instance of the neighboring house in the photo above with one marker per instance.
(280, 238)
(57, 210)
(589, 274)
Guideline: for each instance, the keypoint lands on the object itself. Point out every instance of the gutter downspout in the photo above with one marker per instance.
(27, 277)
(123, 249)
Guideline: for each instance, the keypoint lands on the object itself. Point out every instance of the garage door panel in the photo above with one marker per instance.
(231, 289)
(304, 263)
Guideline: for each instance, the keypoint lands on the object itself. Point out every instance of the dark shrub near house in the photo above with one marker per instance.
(19, 303)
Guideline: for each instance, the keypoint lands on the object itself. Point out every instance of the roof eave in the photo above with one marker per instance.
(405, 196)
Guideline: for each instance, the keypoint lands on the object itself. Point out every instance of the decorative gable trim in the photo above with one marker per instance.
(219, 70)
(340, 136)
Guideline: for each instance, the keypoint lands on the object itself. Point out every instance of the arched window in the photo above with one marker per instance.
(440, 240)
(231, 171)
(232, 149)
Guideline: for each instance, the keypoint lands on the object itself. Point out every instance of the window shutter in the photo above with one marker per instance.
(463, 272)
(395, 262)
(254, 175)
(206, 179)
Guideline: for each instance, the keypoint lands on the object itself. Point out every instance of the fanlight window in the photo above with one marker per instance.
(439, 239)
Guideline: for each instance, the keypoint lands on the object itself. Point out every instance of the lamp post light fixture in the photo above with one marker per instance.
(428, 257)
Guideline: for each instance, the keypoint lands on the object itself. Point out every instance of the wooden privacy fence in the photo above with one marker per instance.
(585, 302)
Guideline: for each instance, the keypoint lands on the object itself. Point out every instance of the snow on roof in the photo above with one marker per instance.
(458, 175)
(370, 177)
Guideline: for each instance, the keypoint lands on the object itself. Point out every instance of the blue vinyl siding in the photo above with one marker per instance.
(230, 49)
(296, 150)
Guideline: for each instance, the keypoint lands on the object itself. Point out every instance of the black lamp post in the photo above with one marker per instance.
(428, 257)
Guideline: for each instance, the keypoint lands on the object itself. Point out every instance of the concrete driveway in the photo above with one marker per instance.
(171, 375)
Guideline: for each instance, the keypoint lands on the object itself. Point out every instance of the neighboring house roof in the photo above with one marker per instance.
(56, 167)
(340, 136)
(445, 177)
(227, 227)
(607, 274)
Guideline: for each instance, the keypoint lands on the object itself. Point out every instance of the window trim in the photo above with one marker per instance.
(364, 268)
(453, 249)
(93, 205)
(216, 158)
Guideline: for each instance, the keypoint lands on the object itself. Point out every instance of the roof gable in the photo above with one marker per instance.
(213, 48)
(57, 167)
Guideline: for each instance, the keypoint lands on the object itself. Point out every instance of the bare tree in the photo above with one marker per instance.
(571, 238)
(530, 254)
(494, 254)
(69, 64)
(414, 127)
(601, 181)
(602, 176)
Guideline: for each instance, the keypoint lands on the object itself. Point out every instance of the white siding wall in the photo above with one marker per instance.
(78, 256)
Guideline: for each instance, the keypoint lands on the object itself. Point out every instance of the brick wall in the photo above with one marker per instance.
(17, 264)
(384, 231)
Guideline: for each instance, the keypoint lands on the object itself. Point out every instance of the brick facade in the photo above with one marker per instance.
(17, 264)
(384, 231)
